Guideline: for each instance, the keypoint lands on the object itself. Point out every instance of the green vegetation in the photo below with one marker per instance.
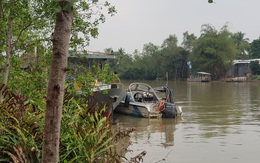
(30, 40)
(255, 48)
(255, 68)
(25, 52)
(86, 135)
(213, 51)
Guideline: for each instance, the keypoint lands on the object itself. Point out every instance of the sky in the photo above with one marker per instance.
(139, 22)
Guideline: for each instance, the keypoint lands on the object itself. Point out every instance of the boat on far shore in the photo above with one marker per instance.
(143, 101)
(236, 79)
(200, 77)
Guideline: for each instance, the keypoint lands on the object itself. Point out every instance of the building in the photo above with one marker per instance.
(87, 59)
(240, 68)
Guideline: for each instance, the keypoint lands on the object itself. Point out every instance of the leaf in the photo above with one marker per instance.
(19, 132)
(14, 158)
(67, 7)
(101, 123)
(57, 8)
(20, 153)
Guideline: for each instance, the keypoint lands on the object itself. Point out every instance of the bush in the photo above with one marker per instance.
(86, 136)
(255, 67)
(20, 128)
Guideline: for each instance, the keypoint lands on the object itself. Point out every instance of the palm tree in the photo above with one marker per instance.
(242, 44)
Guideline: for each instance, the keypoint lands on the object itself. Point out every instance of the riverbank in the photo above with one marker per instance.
(251, 78)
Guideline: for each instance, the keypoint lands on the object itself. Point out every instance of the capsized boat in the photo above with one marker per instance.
(143, 101)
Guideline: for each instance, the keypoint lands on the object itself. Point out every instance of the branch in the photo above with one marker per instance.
(20, 33)
(164, 157)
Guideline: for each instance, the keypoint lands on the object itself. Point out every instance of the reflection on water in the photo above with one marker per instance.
(220, 122)
(150, 129)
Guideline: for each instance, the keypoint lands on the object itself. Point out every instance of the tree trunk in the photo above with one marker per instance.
(8, 50)
(55, 92)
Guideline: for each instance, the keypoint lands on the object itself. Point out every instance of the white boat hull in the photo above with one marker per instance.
(139, 109)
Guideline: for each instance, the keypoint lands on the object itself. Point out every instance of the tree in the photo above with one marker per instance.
(55, 91)
(114, 63)
(171, 42)
(174, 62)
(255, 49)
(214, 51)
(8, 39)
(242, 44)
(20, 22)
(9, 12)
(188, 41)
(8, 47)
(61, 42)
(255, 67)
(149, 48)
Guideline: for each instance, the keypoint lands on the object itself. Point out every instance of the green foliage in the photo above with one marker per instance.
(88, 15)
(21, 125)
(33, 22)
(29, 25)
(214, 51)
(255, 67)
(242, 45)
(154, 62)
(255, 49)
(85, 136)
(86, 77)
(188, 41)
(123, 64)
(28, 76)
(170, 42)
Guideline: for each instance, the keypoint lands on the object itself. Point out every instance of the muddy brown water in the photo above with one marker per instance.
(220, 123)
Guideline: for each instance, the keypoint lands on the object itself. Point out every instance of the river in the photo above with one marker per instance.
(220, 123)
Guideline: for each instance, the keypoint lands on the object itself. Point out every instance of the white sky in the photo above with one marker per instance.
(139, 22)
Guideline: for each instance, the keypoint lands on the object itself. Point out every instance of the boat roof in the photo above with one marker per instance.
(203, 73)
(140, 86)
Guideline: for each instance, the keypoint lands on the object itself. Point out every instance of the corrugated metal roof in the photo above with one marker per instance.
(96, 55)
(203, 73)
(245, 61)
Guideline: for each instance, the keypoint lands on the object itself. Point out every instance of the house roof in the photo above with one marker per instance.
(93, 55)
(245, 61)
(203, 73)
